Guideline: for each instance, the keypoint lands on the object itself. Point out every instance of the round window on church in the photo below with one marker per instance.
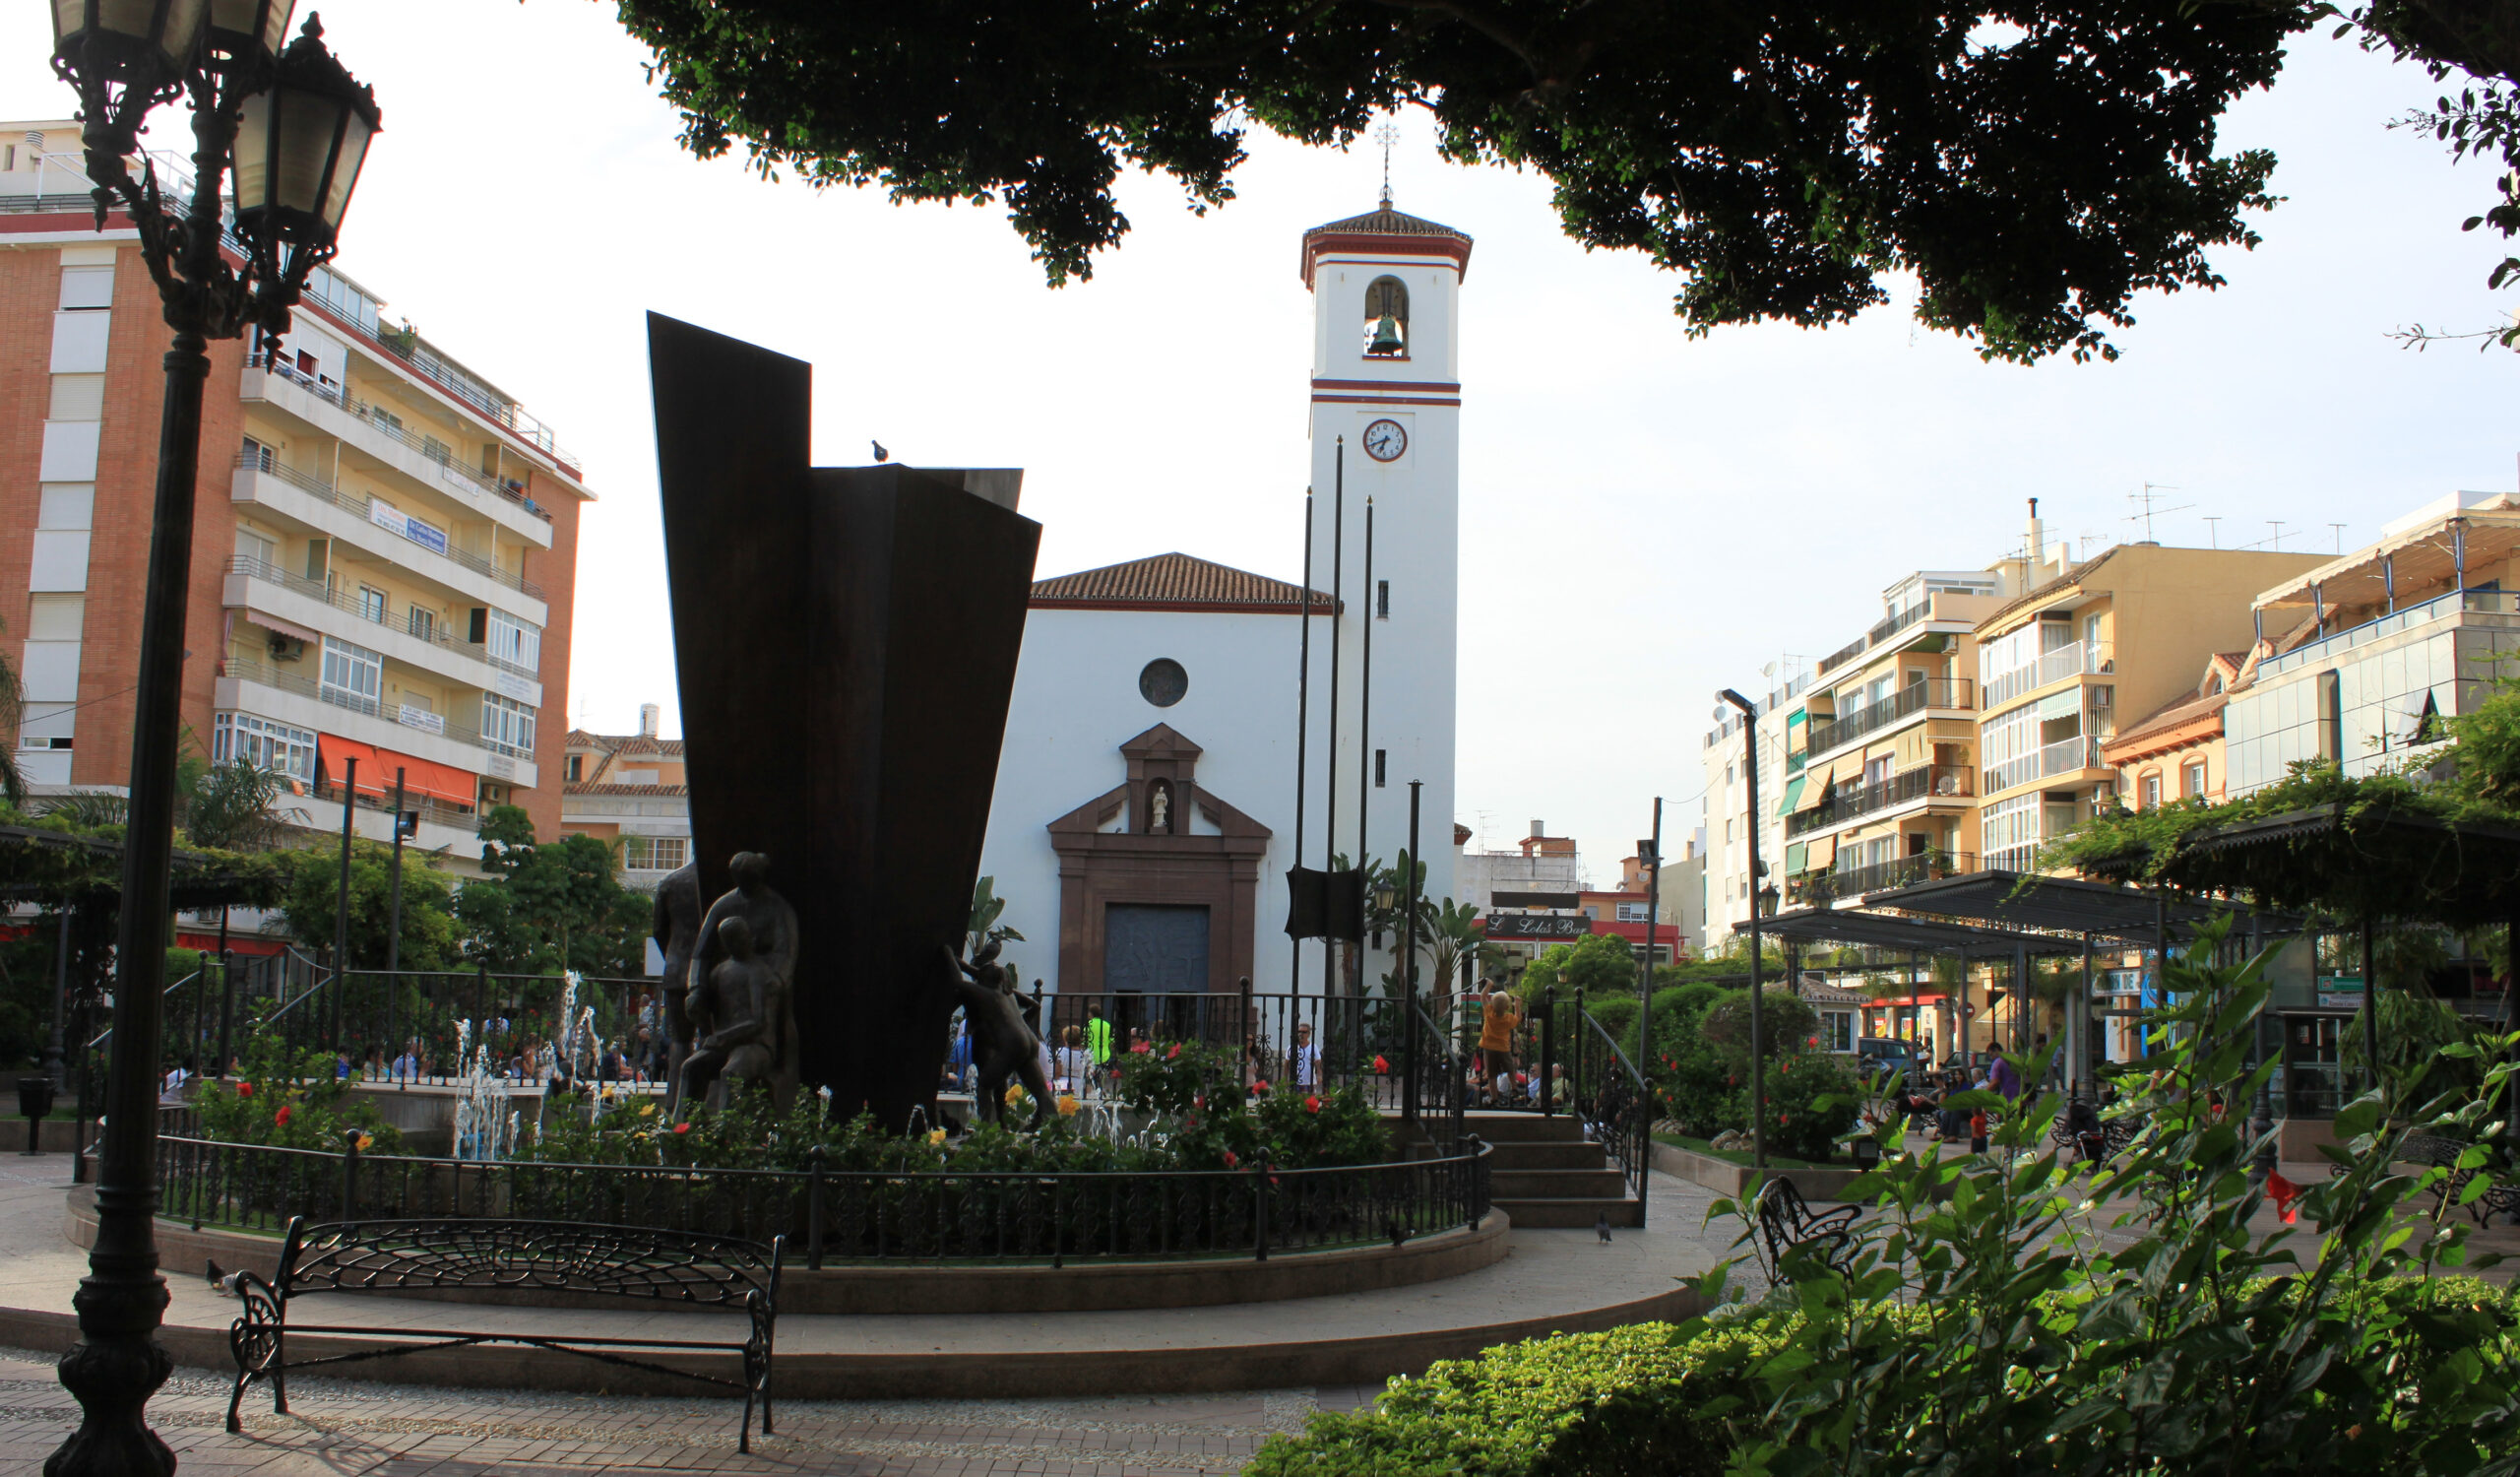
(1163, 682)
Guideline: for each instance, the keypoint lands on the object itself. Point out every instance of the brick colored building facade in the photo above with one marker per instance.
(384, 547)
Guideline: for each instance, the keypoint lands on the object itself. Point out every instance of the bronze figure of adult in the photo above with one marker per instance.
(676, 928)
(767, 915)
(1002, 1045)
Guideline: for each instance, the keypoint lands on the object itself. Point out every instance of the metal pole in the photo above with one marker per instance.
(1758, 988)
(1547, 1050)
(118, 1363)
(1330, 748)
(394, 934)
(342, 912)
(2080, 1067)
(1653, 917)
(226, 1000)
(1304, 723)
(2370, 1010)
(1409, 965)
(1365, 711)
(53, 1066)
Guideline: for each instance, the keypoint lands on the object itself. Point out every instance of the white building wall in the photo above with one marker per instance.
(1077, 701)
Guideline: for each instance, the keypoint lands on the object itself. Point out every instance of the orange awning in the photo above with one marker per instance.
(376, 768)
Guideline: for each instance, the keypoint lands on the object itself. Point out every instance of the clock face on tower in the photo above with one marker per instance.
(1385, 441)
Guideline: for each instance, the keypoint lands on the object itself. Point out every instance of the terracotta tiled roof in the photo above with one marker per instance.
(627, 745)
(1172, 582)
(1386, 221)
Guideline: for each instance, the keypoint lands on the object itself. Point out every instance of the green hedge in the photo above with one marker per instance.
(1631, 1402)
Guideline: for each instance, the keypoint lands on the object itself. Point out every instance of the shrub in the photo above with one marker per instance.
(1646, 1401)
(1784, 1022)
(1811, 1102)
(290, 1099)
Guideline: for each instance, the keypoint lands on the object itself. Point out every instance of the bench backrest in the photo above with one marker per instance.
(622, 1261)
(2430, 1149)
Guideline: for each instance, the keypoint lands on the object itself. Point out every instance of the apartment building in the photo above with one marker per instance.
(629, 788)
(2177, 752)
(1724, 758)
(2127, 631)
(2368, 651)
(1880, 759)
(384, 549)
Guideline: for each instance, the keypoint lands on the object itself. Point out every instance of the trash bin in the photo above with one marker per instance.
(34, 1100)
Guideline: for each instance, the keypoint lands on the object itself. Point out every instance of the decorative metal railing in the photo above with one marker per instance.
(262, 459)
(849, 1215)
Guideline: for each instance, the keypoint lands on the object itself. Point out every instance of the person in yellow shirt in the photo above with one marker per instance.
(1496, 1022)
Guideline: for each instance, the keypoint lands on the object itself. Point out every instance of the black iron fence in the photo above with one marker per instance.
(850, 1215)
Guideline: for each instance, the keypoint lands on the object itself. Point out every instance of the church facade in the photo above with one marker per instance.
(1145, 813)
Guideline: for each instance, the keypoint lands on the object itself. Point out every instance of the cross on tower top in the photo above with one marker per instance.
(1387, 135)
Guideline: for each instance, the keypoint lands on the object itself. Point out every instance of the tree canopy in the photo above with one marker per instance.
(2034, 166)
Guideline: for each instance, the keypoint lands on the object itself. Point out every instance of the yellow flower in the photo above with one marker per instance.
(364, 1141)
(936, 1136)
(1068, 1105)
(1014, 1094)
(648, 1111)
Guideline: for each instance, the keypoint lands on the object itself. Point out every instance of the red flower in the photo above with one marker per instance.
(1140, 1049)
(1198, 1102)
(1814, 1041)
(683, 1128)
(1260, 1086)
(1229, 1160)
(244, 1089)
(1382, 1066)
(1175, 1052)
(1785, 1118)
(1312, 1105)
(282, 1117)
(2284, 1193)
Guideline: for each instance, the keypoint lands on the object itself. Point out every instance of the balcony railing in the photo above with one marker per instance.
(1818, 890)
(1888, 626)
(432, 810)
(1915, 698)
(1924, 781)
(376, 615)
(2064, 756)
(386, 424)
(246, 668)
(261, 459)
(2474, 601)
(2080, 659)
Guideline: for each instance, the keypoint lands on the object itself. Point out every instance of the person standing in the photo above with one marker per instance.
(1304, 1062)
(1498, 1016)
(1097, 1034)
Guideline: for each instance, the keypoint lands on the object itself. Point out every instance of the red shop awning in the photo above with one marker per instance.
(376, 768)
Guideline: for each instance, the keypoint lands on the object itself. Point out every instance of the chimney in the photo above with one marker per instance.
(648, 714)
(2037, 537)
(1539, 828)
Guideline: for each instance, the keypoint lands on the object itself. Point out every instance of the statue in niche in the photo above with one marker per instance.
(769, 922)
(1003, 1045)
(676, 930)
(747, 1013)
(1159, 810)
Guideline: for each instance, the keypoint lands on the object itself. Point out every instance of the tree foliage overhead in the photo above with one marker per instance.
(2033, 164)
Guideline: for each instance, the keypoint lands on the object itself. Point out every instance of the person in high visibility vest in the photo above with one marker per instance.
(1097, 1034)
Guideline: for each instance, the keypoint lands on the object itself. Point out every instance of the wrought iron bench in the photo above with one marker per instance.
(2443, 1153)
(417, 1256)
(1782, 1223)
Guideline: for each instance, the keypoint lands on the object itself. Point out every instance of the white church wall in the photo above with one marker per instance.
(1077, 701)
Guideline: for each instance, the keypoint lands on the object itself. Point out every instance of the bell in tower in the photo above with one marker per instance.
(1387, 309)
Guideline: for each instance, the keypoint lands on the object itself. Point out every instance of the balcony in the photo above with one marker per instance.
(2080, 659)
(1924, 781)
(2489, 602)
(1883, 630)
(2066, 756)
(290, 697)
(332, 412)
(1820, 889)
(310, 603)
(469, 574)
(1916, 697)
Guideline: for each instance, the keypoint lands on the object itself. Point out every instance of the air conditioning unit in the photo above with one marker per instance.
(288, 649)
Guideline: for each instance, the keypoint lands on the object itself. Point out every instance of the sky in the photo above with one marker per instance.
(1646, 517)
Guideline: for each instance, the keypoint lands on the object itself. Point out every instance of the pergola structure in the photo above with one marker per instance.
(198, 881)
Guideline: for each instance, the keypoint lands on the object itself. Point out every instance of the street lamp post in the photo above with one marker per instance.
(295, 126)
(1758, 1075)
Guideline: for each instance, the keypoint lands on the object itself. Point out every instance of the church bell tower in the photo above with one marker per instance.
(1386, 430)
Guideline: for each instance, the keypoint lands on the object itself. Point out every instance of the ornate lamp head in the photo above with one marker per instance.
(299, 146)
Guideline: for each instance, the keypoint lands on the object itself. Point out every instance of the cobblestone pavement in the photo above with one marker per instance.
(338, 1429)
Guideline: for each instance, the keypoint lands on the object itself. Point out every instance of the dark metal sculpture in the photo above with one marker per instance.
(676, 930)
(1004, 1044)
(845, 641)
(747, 1031)
(686, 1268)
